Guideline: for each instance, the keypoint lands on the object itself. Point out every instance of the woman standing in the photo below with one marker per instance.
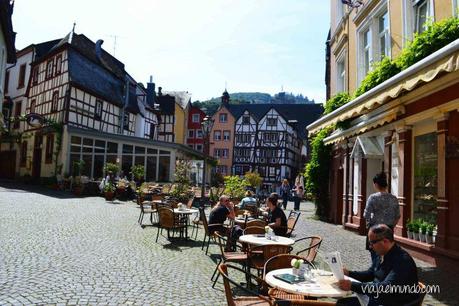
(284, 192)
(299, 193)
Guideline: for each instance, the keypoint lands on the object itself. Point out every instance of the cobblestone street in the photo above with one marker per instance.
(56, 249)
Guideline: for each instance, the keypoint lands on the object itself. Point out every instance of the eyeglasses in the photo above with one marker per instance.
(372, 242)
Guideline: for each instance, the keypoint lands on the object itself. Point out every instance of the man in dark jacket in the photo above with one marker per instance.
(391, 276)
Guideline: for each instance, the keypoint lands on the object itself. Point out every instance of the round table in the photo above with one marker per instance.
(186, 211)
(261, 240)
(320, 286)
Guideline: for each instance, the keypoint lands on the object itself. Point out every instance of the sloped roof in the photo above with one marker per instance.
(9, 36)
(95, 78)
(182, 98)
(43, 48)
(304, 114)
(166, 104)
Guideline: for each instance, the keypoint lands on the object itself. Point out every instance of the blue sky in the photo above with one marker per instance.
(196, 45)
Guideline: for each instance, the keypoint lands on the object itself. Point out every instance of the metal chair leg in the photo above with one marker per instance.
(203, 241)
(216, 268)
(208, 243)
(157, 234)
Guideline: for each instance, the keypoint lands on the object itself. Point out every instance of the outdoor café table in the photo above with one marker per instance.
(255, 239)
(319, 286)
(186, 212)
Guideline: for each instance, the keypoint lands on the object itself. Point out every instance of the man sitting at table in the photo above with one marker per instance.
(276, 217)
(222, 210)
(393, 269)
(247, 200)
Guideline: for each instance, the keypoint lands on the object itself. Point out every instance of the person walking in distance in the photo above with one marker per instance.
(299, 193)
(284, 192)
(382, 207)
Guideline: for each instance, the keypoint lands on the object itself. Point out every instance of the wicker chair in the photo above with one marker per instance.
(257, 230)
(207, 232)
(255, 299)
(256, 222)
(259, 255)
(236, 257)
(146, 208)
(291, 222)
(311, 251)
(169, 221)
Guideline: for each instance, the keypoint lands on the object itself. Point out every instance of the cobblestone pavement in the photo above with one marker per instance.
(55, 249)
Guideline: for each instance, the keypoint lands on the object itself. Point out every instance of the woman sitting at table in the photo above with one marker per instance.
(247, 200)
(276, 217)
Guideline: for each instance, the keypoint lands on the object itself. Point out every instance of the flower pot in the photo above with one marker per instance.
(410, 235)
(429, 239)
(296, 271)
(109, 195)
(77, 190)
(415, 236)
(422, 237)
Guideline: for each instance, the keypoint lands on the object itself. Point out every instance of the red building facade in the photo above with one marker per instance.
(194, 134)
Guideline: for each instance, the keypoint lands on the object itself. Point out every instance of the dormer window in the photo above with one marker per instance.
(35, 76)
(223, 117)
(271, 121)
(58, 64)
(245, 119)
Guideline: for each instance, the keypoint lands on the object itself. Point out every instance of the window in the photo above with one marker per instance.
(341, 75)
(271, 121)
(152, 131)
(373, 39)
(245, 119)
(195, 118)
(55, 101)
(226, 135)
(272, 171)
(35, 76)
(223, 117)
(7, 81)
(225, 153)
(199, 147)
(98, 109)
(217, 152)
(198, 133)
(425, 177)
(383, 36)
(339, 11)
(217, 135)
(126, 121)
(416, 13)
(49, 69)
(367, 56)
(456, 8)
(421, 14)
(22, 72)
(49, 148)
(23, 158)
(190, 133)
(244, 138)
(58, 64)
(17, 113)
(32, 105)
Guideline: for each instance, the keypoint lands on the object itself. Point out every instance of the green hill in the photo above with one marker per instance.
(212, 105)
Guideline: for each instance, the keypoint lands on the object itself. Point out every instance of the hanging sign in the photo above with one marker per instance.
(35, 120)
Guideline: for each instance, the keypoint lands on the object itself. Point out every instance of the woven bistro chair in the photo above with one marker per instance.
(255, 230)
(254, 299)
(292, 220)
(236, 257)
(207, 232)
(169, 221)
(256, 222)
(310, 252)
(259, 255)
(146, 207)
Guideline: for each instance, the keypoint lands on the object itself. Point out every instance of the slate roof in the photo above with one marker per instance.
(95, 78)
(304, 114)
(42, 49)
(166, 104)
(181, 97)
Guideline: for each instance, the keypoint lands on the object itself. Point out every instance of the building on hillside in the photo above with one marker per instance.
(407, 126)
(194, 133)
(269, 139)
(221, 138)
(93, 111)
(7, 50)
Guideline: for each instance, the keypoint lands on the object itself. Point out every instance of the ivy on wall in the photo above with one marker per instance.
(317, 171)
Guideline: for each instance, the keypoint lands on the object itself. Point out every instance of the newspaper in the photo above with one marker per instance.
(333, 259)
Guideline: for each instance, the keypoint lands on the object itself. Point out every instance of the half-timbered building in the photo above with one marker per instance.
(99, 114)
(271, 139)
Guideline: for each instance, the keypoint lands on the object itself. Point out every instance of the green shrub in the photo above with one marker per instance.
(235, 187)
(381, 72)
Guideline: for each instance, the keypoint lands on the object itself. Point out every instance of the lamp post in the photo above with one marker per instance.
(206, 127)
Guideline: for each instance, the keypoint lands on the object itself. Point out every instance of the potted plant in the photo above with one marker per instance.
(416, 225)
(235, 187)
(111, 169)
(423, 231)
(109, 191)
(409, 226)
(138, 173)
(296, 264)
(430, 230)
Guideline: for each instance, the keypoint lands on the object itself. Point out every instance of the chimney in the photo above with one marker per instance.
(99, 49)
(159, 91)
(151, 92)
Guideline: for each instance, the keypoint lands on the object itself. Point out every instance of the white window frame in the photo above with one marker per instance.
(217, 135)
(199, 147)
(195, 118)
(409, 18)
(226, 135)
(455, 8)
(223, 117)
(341, 75)
(198, 133)
(384, 34)
(190, 133)
(371, 24)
